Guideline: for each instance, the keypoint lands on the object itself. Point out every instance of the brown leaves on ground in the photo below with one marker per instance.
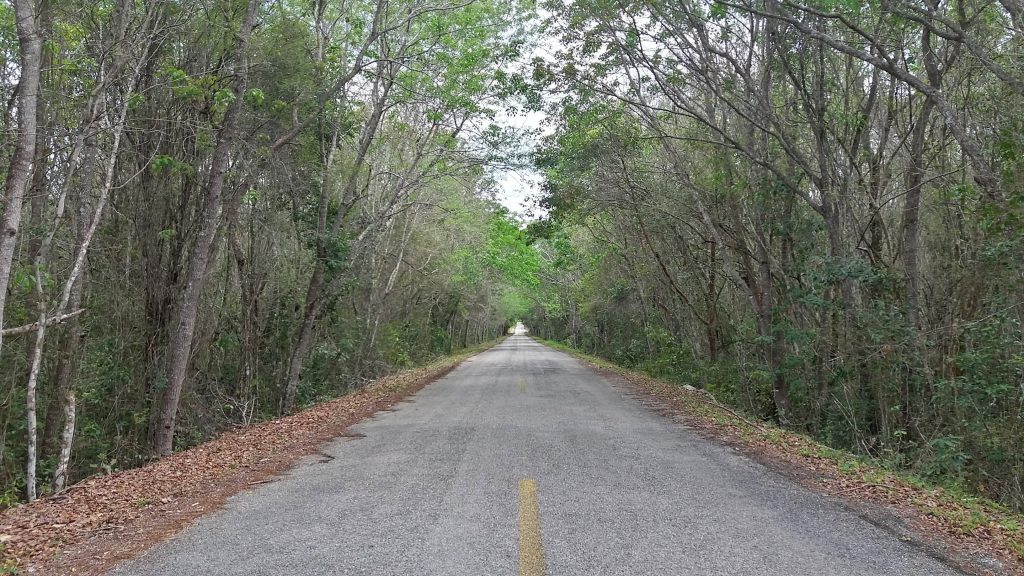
(979, 537)
(99, 521)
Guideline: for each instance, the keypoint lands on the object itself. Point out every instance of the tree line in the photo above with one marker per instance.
(217, 211)
(811, 209)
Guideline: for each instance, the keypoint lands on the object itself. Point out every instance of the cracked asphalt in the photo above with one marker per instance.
(434, 488)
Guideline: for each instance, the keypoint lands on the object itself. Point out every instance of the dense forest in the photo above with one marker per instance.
(217, 212)
(811, 209)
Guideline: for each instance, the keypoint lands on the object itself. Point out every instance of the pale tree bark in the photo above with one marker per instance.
(30, 393)
(68, 361)
(42, 262)
(68, 356)
(48, 321)
(19, 172)
(188, 301)
(319, 288)
(67, 438)
(376, 307)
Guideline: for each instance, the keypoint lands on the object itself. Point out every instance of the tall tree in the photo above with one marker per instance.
(19, 173)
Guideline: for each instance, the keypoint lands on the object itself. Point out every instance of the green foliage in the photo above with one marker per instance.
(9, 567)
(707, 220)
(347, 263)
(731, 227)
(508, 253)
(164, 164)
(135, 100)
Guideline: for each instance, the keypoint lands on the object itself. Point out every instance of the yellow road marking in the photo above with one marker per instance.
(531, 549)
(522, 386)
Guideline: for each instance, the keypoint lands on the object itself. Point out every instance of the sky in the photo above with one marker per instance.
(518, 188)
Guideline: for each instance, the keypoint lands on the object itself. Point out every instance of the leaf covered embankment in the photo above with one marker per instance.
(981, 536)
(102, 520)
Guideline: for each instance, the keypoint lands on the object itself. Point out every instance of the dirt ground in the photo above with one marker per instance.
(100, 521)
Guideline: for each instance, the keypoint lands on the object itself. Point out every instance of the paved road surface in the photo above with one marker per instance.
(525, 462)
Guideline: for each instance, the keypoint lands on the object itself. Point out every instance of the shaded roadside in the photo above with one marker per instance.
(976, 535)
(100, 521)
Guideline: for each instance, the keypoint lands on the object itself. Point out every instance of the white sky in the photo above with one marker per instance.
(517, 187)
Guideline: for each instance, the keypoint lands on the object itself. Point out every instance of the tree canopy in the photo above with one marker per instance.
(216, 212)
(811, 209)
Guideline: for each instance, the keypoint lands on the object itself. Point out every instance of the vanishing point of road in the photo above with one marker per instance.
(523, 461)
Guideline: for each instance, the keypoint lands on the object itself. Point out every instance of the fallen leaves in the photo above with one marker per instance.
(104, 519)
(980, 537)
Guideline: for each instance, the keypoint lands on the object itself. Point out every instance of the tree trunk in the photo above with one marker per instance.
(188, 302)
(774, 343)
(712, 304)
(320, 290)
(67, 366)
(68, 357)
(303, 342)
(19, 172)
(911, 216)
(41, 263)
(251, 291)
(30, 395)
(67, 439)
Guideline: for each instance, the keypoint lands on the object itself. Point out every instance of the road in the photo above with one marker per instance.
(523, 461)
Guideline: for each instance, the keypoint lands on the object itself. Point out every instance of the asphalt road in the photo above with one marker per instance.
(524, 461)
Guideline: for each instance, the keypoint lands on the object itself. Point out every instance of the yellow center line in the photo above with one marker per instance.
(522, 386)
(531, 549)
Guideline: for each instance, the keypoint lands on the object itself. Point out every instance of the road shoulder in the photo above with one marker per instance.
(101, 521)
(972, 535)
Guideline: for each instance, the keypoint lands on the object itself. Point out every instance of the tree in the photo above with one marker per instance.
(791, 204)
(192, 169)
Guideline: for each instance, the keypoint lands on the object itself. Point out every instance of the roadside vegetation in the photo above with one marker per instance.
(217, 212)
(812, 210)
(124, 513)
(942, 516)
